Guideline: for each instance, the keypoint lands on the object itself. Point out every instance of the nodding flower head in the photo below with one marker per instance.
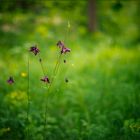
(45, 79)
(34, 50)
(10, 80)
(61, 45)
(65, 50)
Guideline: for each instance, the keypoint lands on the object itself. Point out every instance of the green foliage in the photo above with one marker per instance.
(101, 99)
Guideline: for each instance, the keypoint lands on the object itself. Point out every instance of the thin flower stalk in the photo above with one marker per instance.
(35, 51)
(46, 81)
(48, 93)
(68, 31)
(64, 50)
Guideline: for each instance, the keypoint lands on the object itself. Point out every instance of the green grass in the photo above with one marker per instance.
(100, 101)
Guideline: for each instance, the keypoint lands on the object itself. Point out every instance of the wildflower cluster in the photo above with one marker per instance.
(46, 79)
(35, 50)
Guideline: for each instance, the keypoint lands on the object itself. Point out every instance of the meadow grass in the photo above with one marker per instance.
(99, 102)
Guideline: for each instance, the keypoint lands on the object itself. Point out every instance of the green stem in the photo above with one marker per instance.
(40, 60)
(50, 85)
(48, 89)
(55, 69)
(45, 114)
(67, 34)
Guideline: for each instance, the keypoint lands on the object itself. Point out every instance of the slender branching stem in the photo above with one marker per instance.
(45, 112)
(48, 89)
(42, 67)
(55, 70)
(57, 65)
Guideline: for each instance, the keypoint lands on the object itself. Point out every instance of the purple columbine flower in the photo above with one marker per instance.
(61, 45)
(10, 80)
(45, 79)
(35, 50)
(65, 50)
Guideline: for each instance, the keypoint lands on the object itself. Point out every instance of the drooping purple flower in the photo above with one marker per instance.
(65, 50)
(45, 79)
(60, 44)
(34, 50)
(10, 80)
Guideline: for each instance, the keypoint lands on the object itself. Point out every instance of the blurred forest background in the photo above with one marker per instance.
(101, 100)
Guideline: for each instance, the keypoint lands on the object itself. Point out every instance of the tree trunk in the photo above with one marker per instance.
(92, 21)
